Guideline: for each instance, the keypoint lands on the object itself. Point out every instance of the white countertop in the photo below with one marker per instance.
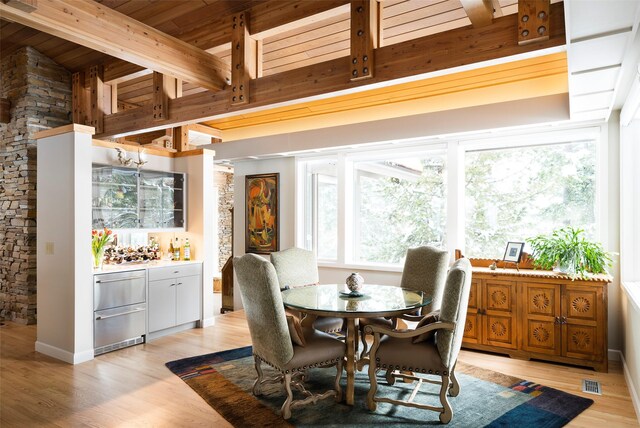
(106, 268)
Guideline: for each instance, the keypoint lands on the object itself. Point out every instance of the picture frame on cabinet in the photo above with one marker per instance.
(513, 252)
(262, 234)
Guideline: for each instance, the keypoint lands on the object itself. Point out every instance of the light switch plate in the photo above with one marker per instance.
(48, 248)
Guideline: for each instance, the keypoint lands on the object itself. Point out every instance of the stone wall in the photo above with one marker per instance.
(224, 183)
(40, 94)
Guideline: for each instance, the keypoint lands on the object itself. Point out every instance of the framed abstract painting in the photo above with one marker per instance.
(262, 232)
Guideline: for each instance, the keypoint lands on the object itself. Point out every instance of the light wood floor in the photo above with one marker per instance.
(132, 387)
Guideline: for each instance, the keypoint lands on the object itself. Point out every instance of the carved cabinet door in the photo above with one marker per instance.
(473, 324)
(541, 318)
(499, 314)
(583, 315)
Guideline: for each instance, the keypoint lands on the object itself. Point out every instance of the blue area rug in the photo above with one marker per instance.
(487, 398)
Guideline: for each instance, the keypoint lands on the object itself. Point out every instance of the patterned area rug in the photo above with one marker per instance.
(487, 398)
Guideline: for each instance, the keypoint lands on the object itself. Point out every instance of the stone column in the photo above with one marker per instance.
(40, 94)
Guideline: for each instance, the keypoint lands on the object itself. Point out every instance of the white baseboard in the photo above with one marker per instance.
(614, 355)
(63, 355)
(635, 399)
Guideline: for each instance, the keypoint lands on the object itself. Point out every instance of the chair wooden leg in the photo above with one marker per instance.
(447, 412)
(390, 377)
(286, 407)
(365, 346)
(337, 382)
(373, 388)
(455, 385)
(257, 386)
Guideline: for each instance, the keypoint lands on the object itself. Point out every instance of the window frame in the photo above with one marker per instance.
(454, 149)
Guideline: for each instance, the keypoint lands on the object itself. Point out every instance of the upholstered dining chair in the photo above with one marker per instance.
(425, 269)
(272, 340)
(297, 267)
(430, 349)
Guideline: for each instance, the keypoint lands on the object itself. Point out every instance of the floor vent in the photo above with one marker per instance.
(591, 387)
(119, 345)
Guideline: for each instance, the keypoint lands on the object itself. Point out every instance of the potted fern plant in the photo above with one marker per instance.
(567, 251)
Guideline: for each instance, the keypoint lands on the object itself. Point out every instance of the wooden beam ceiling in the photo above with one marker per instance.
(455, 48)
(267, 18)
(480, 12)
(98, 27)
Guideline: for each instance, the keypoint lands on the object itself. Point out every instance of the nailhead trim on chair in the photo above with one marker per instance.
(411, 369)
(297, 369)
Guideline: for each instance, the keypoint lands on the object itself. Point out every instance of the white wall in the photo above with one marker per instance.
(286, 212)
(202, 221)
(65, 287)
(630, 255)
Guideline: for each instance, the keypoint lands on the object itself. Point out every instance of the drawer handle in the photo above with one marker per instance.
(104, 281)
(176, 271)
(179, 283)
(104, 317)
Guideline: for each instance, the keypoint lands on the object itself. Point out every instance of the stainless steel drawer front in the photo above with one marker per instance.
(118, 289)
(119, 324)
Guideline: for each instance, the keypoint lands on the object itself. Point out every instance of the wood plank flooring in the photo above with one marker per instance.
(133, 388)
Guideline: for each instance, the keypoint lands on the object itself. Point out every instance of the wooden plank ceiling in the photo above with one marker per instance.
(311, 40)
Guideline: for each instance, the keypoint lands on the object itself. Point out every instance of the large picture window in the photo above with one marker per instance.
(517, 193)
(399, 203)
(365, 208)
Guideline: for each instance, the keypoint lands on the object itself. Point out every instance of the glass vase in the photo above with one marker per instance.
(98, 258)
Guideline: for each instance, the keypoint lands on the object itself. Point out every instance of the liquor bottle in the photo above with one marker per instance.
(176, 250)
(187, 251)
(171, 250)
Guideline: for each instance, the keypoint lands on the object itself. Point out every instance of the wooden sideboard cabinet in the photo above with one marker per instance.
(538, 314)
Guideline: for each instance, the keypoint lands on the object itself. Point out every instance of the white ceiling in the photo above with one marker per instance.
(603, 48)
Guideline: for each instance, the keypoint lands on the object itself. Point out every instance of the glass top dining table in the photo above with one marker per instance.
(334, 300)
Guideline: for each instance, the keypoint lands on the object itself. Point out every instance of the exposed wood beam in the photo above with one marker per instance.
(204, 129)
(243, 59)
(181, 138)
(278, 17)
(96, 98)
(533, 21)
(79, 97)
(497, 9)
(455, 48)
(5, 107)
(480, 12)
(114, 98)
(124, 105)
(364, 38)
(27, 6)
(118, 71)
(164, 89)
(266, 20)
(101, 28)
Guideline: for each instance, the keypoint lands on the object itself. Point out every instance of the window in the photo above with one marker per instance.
(364, 208)
(399, 203)
(517, 193)
(321, 226)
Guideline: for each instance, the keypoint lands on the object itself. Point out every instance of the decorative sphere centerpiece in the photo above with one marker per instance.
(355, 282)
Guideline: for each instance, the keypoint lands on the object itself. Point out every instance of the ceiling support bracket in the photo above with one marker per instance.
(364, 38)
(243, 59)
(96, 91)
(533, 21)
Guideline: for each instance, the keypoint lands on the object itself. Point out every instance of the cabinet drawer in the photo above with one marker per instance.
(175, 271)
